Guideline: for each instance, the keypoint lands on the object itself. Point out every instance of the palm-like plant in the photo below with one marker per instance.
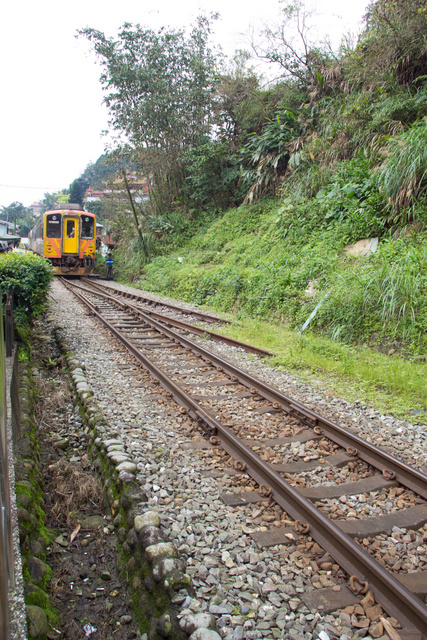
(268, 154)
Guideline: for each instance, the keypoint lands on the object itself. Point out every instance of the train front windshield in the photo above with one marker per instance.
(53, 225)
(88, 226)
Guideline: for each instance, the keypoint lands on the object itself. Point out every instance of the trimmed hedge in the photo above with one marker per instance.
(28, 275)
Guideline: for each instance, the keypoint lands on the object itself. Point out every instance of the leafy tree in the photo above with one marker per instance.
(393, 44)
(50, 199)
(62, 197)
(237, 89)
(160, 92)
(212, 176)
(76, 193)
(95, 207)
(22, 216)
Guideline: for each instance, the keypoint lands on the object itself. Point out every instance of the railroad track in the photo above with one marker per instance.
(302, 452)
(173, 321)
(150, 303)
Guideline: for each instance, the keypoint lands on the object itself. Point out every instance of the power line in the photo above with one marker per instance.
(16, 186)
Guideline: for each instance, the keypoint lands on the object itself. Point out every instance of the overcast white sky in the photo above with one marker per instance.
(51, 116)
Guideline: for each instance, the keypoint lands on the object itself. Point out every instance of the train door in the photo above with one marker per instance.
(70, 242)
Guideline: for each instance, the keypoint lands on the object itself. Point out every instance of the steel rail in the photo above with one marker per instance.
(185, 326)
(215, 337)
(197, 314)
(390, 466)
(391, 594)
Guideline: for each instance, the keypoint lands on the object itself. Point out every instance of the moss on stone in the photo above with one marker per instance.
(37, 597)
(150, 599)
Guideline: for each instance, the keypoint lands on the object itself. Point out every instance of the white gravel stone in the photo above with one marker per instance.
(130, 467)
(147, 518)
(251, 590)
(155, 551)
(205, 634)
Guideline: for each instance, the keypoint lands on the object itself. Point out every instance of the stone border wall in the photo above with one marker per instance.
(158, 584)
(33, 536)
(18, 622)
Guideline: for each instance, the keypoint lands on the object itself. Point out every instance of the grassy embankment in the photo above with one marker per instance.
(369, 338)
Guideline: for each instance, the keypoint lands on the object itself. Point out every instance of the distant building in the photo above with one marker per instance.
(138, 186)
(92, 195)
(8, 234)
(36, 208)
(6, 228)
(104, 243)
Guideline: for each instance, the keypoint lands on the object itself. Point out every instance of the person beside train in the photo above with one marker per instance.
(109, 262)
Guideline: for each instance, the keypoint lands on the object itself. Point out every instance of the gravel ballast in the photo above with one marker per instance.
(252, 593)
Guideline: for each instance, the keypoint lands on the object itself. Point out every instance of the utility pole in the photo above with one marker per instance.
(141, 239)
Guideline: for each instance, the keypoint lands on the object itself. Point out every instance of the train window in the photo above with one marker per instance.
(70, 229)
(87, 226)
(53, 225)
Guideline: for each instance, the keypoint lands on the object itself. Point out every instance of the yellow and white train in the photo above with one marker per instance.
(66, 236)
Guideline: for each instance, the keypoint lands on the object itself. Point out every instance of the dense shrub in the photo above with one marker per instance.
(383, 296)
(28, 276)
(259, 260)
(212, 176)
(405, 170)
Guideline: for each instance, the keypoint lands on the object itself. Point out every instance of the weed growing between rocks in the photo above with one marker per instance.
(71, 491)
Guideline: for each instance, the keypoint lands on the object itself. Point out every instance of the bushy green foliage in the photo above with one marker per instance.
(353, 197)
(76, 192)
(130, 258)
(405, 170)
(212, 176)
(267, 154)
(50, 199)
(259, 261)
(29, 276)
(402, 106)
(384, 295)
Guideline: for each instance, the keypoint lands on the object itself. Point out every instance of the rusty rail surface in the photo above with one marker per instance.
(206, 317)
(389, 592)
(369, 453)
(185, 326)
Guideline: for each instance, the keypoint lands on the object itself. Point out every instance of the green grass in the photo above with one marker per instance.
(392, 384)
(255, 264)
